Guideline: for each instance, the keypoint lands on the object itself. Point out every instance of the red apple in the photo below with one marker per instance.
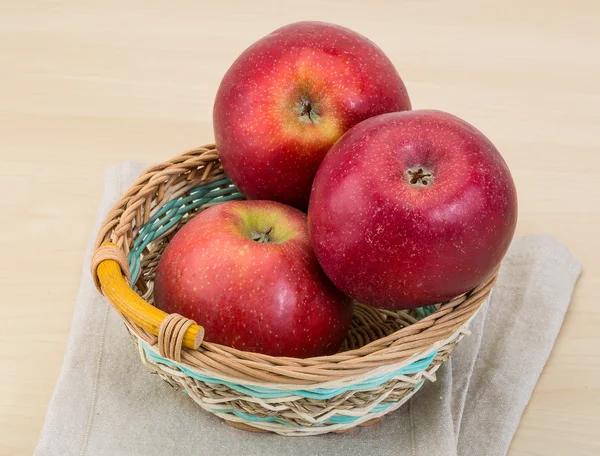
(288, 98)
(411, 208)
(246, 271)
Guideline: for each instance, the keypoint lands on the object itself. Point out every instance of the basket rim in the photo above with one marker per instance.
(200, 166)
(430, 352)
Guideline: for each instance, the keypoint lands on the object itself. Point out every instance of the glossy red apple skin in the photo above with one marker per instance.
(270, 297)
(268, 147)
(393, 244)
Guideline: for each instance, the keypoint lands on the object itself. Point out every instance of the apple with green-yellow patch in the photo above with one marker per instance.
(246, 271)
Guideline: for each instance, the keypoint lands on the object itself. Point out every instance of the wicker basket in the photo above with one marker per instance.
(383, 362)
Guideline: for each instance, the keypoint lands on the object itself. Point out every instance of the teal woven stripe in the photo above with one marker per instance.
(173, 211)
(336, 419)
(423, 312)
(317, 393)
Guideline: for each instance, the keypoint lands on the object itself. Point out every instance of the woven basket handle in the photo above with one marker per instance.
(109, 266)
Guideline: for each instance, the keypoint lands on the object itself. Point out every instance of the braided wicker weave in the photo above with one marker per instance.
(383, 362)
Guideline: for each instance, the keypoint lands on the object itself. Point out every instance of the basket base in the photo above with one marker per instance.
(245, 427)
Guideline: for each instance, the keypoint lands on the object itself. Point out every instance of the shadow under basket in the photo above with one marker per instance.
(386, 358)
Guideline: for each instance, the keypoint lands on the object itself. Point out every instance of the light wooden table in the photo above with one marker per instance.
(87, 84)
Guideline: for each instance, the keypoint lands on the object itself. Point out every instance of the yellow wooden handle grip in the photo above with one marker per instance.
(128, 302)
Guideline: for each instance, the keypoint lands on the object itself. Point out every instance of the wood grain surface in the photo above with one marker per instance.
(86, 84)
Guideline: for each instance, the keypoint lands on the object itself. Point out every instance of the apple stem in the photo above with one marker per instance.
(418, 177)
(307, 111)
(262, 237)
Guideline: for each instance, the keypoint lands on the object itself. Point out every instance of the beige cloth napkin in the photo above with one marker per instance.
(107, 403)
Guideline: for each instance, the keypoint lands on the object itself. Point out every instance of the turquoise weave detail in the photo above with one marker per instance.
(172, 212)
(336, 419)
(339, 419)
(317, 393)
(423, 312)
